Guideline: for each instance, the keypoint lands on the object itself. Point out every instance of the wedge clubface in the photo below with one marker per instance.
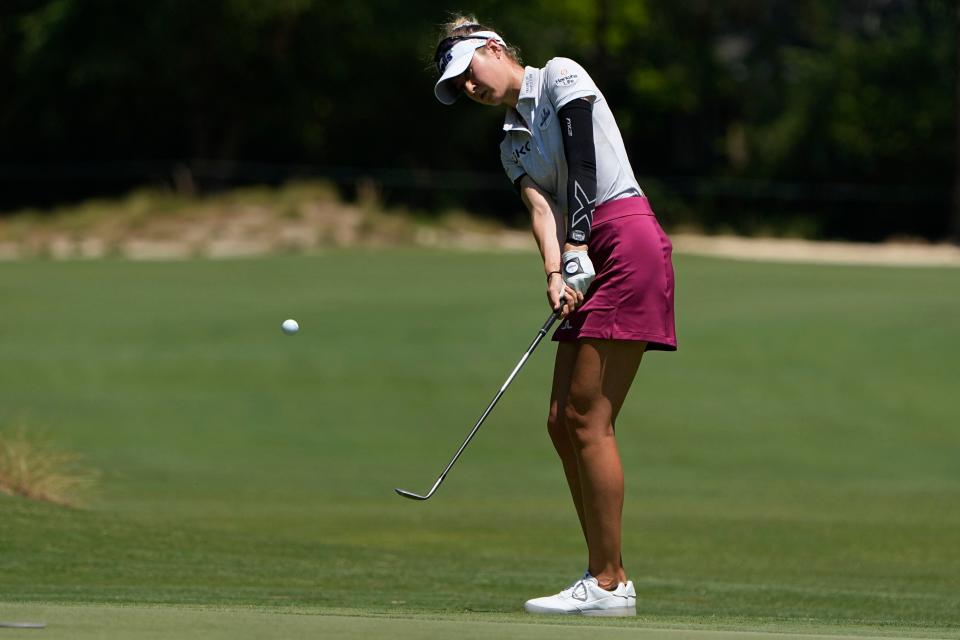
(533, 345)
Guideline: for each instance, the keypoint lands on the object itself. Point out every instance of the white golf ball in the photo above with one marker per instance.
(290, 326)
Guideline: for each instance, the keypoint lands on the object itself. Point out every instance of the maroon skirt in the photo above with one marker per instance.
(632, 296)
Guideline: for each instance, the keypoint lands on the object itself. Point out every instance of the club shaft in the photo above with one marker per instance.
(533, 345)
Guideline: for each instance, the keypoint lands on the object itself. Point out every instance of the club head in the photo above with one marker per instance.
(412, 496)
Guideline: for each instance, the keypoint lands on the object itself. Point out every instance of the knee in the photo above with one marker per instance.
(584, 427)
(556, 425)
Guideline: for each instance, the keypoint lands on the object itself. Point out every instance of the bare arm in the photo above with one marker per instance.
(545, 220)
(548, 230)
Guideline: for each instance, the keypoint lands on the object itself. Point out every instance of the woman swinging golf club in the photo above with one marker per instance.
(608, 270)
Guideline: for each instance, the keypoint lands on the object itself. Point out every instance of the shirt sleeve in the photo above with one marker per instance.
(511, 165)
(565, 80)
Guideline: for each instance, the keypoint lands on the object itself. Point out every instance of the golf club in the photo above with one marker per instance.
(540, 334)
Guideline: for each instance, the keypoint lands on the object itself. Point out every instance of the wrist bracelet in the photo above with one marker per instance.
(553, 272)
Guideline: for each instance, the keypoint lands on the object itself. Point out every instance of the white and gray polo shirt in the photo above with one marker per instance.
(533, 143)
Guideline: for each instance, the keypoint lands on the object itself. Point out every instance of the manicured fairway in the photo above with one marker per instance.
(81, 622)
(794, 467)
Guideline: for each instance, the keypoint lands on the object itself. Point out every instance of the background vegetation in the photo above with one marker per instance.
(817, 117)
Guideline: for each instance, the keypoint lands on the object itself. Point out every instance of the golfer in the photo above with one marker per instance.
(608, 271)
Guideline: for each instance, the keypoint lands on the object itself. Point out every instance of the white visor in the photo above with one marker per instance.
(456, 60)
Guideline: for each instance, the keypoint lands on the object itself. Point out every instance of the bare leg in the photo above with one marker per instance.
(591, 380)
(557, 426)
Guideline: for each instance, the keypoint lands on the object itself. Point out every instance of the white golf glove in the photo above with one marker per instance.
(578, 271)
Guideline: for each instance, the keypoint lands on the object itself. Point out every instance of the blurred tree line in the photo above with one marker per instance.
(823, 117)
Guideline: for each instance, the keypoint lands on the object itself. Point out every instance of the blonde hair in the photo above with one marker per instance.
(464, 25)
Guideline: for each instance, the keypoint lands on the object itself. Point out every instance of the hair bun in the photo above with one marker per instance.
(464, 25)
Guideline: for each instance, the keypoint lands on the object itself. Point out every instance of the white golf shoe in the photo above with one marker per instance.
(585, 597)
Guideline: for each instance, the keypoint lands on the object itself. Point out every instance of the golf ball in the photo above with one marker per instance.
(290, 326)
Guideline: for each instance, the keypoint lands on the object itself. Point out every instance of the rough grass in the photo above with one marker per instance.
(33, 467)
(298, 217)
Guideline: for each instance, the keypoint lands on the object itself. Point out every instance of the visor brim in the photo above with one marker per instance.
(445, 89)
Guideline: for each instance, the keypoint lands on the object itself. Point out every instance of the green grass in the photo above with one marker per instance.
(794, 467)
(93, 622)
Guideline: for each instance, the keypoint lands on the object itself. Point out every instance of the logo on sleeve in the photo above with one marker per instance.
(521, 151)
(566, 79)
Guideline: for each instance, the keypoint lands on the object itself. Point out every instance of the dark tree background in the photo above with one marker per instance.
(821, 117)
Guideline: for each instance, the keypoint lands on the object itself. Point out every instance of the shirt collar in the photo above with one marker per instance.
(529, 90)
(530, 86)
